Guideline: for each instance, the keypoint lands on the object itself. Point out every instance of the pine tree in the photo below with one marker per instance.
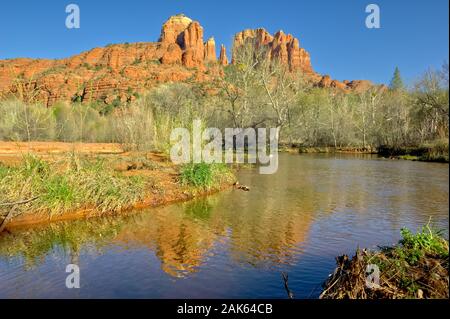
(396, 82)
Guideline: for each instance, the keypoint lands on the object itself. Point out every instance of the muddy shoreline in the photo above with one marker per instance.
(32, 219)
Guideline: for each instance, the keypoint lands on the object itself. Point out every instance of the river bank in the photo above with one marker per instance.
(415, 268)
(435, 152)
(44, 182)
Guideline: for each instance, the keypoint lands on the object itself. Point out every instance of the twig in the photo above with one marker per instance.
(10, 214)
(25, 201)
(285, 279)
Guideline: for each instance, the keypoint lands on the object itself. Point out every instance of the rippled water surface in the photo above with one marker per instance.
(234, 244)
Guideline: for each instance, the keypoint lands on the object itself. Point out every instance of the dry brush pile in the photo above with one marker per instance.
(416, 268)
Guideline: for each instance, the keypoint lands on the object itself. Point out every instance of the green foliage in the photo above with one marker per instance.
(197, 175)
(396, 82)
(116, 102)
(54, 70)
(427, 241)
(437, 151)
(3, 172)
(58, 192)
(205, 176)
(415, 268)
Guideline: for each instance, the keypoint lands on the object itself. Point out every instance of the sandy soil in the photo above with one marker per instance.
(11, 152)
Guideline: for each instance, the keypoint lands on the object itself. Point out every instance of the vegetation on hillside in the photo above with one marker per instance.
(253, 93)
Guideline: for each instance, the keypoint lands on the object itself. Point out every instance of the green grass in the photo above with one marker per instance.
(205, 176)
(3, 172)
(409, 157)
(426, 242)
(69, 185)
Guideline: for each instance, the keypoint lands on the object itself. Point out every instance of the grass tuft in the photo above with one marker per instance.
(205, 176)
(68, 185)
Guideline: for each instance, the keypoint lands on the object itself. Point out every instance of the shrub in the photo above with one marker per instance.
(427, 241)
(23, 122)
(205, 176)
(437, 151)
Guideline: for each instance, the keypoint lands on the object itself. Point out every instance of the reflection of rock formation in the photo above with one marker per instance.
(183, 235)
(181, 238)
(35, 243)
(272, 229)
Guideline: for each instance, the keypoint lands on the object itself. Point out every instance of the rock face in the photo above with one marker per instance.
(286, 49)
(210, 50)
(115, 72)
(173, 29)
(193, 46)
(283, 47)
(173, 54)
(223, 59)
(354, 86)
(118, 72)
(188, 36)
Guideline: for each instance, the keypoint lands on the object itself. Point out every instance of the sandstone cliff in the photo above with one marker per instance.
(117, 72)
(281, 46)
(223, 59)
(286, 49)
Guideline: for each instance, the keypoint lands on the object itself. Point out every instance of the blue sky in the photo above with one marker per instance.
(413, 34)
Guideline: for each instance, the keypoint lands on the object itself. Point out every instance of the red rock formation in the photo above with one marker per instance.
(281, 46)
(210, 50)
(325, 81)
(223, 59)
(360, 85)
(173, 29)
(286, 49)
(193, 37)
(193, 45)
(188, 35)
(354, 86)
(173, 54)
(117, 71)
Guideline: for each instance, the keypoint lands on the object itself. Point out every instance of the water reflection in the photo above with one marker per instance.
(180, 237)
(314, 208)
